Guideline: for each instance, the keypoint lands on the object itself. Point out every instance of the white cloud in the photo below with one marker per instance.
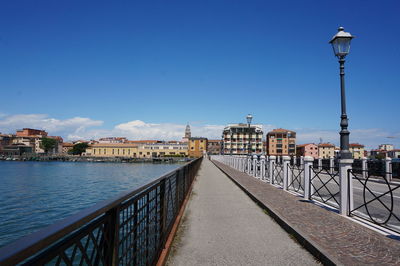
(75, 125)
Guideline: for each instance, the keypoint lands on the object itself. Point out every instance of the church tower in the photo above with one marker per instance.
(188, 134)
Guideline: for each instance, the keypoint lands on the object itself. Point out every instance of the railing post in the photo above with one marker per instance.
(302, 162)
(271, 168)
(249, 164)
(262, 167)
(255, 159)
(364, 167)
(285, 165)
(346, 186)
(294, 160)
(319, 163)
(163, 213)
(111, 229)
(331, 164)
(308, 160)
(388, 170)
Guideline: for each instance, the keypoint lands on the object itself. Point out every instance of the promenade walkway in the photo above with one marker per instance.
(223, 226)
(333, 238)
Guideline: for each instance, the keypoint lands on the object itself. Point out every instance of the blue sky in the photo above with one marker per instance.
(85, 69)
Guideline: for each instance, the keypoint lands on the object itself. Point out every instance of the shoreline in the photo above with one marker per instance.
(63, 158)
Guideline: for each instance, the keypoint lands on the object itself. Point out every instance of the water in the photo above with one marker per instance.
(36, 194)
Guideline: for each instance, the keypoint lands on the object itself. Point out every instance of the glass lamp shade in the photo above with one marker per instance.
(341, 43)
(249, 118)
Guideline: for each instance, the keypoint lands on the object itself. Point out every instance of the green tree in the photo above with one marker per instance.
(79, 148)
(48, 144)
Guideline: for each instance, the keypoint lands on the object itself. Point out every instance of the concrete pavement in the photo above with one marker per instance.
(223, 226)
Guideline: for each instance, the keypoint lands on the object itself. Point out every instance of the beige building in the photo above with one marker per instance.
(237, 137)
(214, 146)
(197, 147)
(66, 147)
(154, 150)
(326, 150)
(357, 150)
(112, 150)
(281, 142)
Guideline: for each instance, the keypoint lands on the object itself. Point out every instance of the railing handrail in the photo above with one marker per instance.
(28, 245)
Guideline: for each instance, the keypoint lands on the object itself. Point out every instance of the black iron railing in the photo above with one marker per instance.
(379, 201)
(128, 230)
(325, 186)
(297, 181)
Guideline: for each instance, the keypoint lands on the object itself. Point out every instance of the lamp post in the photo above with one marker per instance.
(341, 47)
(249, 117)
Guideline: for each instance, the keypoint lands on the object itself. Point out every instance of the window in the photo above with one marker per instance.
(112, 151)
(94, 151)
(104, 151)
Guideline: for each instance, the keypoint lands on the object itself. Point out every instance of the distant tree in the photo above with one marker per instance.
(380, 156)
(79, 148)
(48, 144)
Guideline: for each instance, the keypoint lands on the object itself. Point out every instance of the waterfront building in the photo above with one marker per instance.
(66, 147)
(386, 147)
(112, 150)
(357, 150)
(309, 149)
(281, 142)
(395, 153)
(214, 146)
(326, 150)
(197, 147)
(236, 138)
(154, 150)
(15, 150)
(113, 140)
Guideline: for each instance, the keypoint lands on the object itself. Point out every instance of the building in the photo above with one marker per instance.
(236, 139)
(30, 132)
(188, 134)
(15, 150)
(112, 140)
(113, 150)
(309, 149)
(155, 150)
(357, 150)
(66, 147)
(214, 146)
(197, 147)
(395, 153)
(386, 147)
(281, 142)
(376, 153)
(326, 150)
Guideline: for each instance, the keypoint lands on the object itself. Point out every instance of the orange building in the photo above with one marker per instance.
(26, 132)
(281, 142)
(197, 147)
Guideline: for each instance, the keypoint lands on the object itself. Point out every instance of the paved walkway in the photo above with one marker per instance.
(330, 236)
(223, 226)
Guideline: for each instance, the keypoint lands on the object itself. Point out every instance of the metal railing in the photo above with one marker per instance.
(130, 229)
(325, 186)
(297, 180)
(277, 174)
(377, 203)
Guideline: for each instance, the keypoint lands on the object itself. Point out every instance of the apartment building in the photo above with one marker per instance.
(214, 146)
(281, 142)
(326, 150)
(197, 147)
(240, 139)
(309, 149)
(357, 150)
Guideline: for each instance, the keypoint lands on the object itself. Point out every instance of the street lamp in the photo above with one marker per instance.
(249, 117)
(341, 47)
